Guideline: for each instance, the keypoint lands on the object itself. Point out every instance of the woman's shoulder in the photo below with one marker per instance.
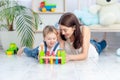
(85, 29)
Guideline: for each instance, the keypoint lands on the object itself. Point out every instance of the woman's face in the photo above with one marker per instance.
(50, 39)
(67, 31)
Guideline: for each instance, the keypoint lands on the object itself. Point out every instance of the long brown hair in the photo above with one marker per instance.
(70, 20)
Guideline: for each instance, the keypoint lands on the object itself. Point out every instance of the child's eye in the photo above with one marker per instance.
(49, 39)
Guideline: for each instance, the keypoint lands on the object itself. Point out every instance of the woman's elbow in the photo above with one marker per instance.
(85, 57)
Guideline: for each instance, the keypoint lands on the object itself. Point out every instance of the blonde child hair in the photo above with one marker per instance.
(49, 29)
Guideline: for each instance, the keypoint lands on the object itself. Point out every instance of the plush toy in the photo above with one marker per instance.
(108, 11)
(86, 17)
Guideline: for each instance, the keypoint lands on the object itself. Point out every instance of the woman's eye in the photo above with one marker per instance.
(65, 30)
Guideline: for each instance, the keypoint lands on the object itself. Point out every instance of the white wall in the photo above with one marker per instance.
(27, 3)
(70, 7)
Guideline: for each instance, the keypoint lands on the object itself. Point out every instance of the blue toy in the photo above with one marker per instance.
(86, 17)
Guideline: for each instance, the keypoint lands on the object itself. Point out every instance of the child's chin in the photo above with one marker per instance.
(51, 45)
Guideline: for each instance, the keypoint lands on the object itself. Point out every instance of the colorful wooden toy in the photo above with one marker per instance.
(58, 58)
(44, 6)
(41, 54)
(53, 10)
(43, 10)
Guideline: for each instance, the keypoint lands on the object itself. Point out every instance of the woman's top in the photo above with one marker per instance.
(92, 53)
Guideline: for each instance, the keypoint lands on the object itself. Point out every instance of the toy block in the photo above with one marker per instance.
(56, 61)
(12, 49)
(59, 58)
(63, 55)
(41, 54)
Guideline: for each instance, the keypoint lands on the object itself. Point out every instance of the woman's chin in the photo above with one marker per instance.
(66, 37)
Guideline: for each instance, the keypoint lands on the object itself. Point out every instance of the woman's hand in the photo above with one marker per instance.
(68, 58)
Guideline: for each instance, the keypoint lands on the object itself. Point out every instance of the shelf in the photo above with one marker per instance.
(99, 28)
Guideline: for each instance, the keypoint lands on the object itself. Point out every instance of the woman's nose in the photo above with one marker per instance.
(63, 32)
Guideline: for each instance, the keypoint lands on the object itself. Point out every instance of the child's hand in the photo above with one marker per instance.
(20, 51)
(41, 47)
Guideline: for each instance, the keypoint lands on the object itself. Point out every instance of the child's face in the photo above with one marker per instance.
(50, 39)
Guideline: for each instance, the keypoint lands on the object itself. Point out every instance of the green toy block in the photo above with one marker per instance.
(41, 61)
(12, 49)
(9, 52)
(63, 55)
(41, 54)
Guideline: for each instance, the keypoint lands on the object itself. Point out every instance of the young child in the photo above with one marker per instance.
(50, 43)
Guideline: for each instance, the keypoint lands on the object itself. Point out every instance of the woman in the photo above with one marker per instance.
(76, 38)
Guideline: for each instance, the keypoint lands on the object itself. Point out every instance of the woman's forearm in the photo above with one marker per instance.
(77, 57)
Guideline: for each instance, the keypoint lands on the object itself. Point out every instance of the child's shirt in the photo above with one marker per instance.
(45, 48)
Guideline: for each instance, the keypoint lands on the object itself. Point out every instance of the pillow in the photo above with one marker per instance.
(86, 17)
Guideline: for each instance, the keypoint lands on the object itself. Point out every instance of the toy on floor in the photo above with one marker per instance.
(12, 49)
(118, 52)
(44, 6)
(58, 58)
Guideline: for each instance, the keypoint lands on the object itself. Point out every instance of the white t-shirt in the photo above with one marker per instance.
(58, 47)
(92, 52)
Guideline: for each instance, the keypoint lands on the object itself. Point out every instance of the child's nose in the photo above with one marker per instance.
(52, 41)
